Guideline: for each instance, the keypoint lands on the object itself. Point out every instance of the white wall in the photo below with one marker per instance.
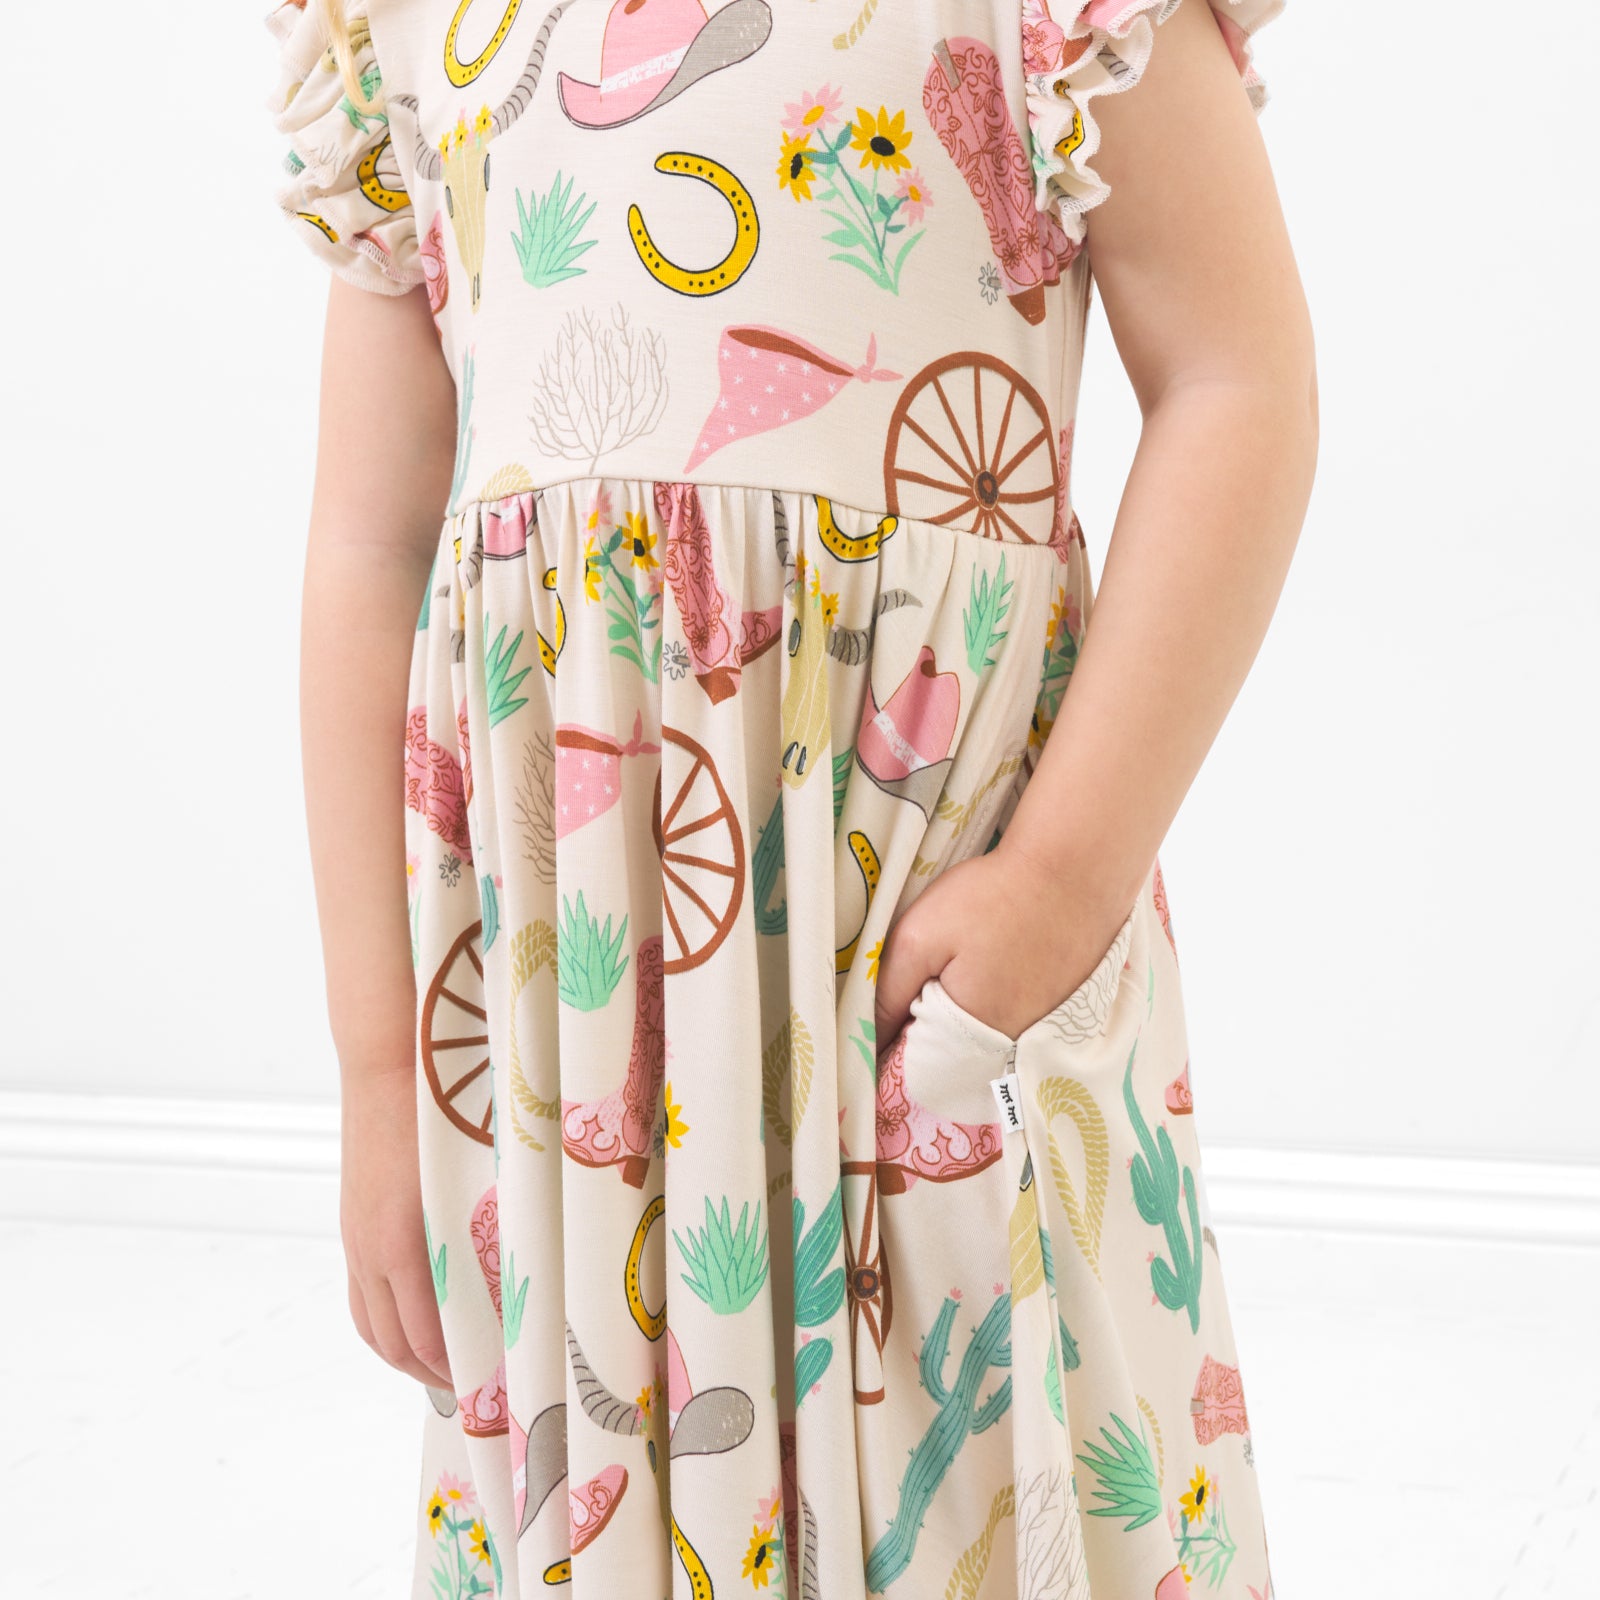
(1382, 882)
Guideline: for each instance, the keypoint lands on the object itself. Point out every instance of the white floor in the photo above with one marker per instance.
(1426, 1419)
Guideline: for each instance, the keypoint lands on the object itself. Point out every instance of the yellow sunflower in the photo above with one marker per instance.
(592, 570)
(676, 1126)
(874, 955)
(642, 539)
(794, 166)
(483, 123)
(435, 1515)
(882, 139)
(1193, 1501)
(759, 1559)
(478, 1541)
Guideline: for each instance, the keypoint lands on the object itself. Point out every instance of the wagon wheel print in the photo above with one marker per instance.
(455, 1038)
(870, 1291)
(702, 857)
(970, 438)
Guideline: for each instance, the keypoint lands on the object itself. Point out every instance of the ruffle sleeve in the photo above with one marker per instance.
(1076, 50)
(339, 185)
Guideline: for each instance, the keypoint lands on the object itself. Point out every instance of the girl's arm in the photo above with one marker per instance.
(385, 451)
(1193, 263)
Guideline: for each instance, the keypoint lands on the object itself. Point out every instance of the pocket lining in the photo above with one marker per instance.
(1106, 975)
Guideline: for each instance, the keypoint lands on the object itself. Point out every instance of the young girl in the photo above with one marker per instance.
(768, 1127)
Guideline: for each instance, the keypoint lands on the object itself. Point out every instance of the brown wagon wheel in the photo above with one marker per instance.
(455, 1038)
(702, 857)
(970, 439)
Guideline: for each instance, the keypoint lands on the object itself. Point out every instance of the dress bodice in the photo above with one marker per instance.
(752, 244)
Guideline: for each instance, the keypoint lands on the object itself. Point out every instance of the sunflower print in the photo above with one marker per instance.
(882, 140)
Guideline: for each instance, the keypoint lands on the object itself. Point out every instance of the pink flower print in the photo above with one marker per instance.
(413, 868)
(813, 113)
(769, 1508)
(600, 512)
(457, 1491)
(913, 190)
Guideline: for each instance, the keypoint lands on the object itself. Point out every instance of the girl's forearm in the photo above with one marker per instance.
(1203, 539)
(359, 612)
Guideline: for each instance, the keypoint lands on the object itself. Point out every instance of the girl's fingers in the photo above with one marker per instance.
(358, 1310)
(905, 965)
(418, 1307)
(392, 1343)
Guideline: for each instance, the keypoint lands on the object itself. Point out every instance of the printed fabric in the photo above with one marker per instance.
(756, 596)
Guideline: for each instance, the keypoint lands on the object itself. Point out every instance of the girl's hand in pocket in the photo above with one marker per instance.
(392, 1299)
(1008, 941)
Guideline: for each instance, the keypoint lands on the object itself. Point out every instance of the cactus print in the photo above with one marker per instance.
(757, 593)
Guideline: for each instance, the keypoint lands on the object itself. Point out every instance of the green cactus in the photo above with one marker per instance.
(365, 121)
(766, 862)
(489, 900)
(1130, 1485)
(513, 1300)
(986, 610)
(726, 1267)
(587, 957)
(865, 1039)
(547, 241)
(841, 782)
(498, 660)
(960, 1415)
(1155, 1192)
(436, 1263)
(818, 1286)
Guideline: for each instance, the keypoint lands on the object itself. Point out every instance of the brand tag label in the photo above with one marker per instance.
(1008, 1096)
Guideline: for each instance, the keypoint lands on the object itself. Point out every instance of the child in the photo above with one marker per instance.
(772, 1141)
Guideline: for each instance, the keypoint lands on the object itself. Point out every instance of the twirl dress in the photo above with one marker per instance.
(754, 603)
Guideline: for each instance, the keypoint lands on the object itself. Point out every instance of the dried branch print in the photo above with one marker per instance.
(1050, 1558)
(535, 814)
(601, 386)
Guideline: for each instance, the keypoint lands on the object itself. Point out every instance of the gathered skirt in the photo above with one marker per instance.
(738, 1297)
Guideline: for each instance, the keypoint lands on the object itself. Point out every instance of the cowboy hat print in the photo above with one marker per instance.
(655, 49)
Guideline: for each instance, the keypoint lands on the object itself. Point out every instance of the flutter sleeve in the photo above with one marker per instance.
(339, 185)
(1076, 50)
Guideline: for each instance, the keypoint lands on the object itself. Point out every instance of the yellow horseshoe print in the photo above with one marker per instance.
(843, 545)
(650, 1322)
(322, 223)
(871, 872)
(376, 191)
(547, 652)
(462, 73)
(699, 1578)
(747, 230)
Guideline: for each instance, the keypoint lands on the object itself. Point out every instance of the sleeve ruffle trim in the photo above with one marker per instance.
(1104, 49)
(337, 184)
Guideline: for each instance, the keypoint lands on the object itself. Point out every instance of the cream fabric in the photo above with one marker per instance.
(755, 600)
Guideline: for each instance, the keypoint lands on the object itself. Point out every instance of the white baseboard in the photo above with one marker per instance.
(272, 1167)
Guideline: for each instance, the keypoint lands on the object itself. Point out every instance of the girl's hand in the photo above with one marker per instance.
(1008, 940)
(380, 1217)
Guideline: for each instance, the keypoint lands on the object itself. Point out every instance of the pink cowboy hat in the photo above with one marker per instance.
(655, 49)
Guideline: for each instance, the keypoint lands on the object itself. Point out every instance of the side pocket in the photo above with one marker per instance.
(1078, 1019)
